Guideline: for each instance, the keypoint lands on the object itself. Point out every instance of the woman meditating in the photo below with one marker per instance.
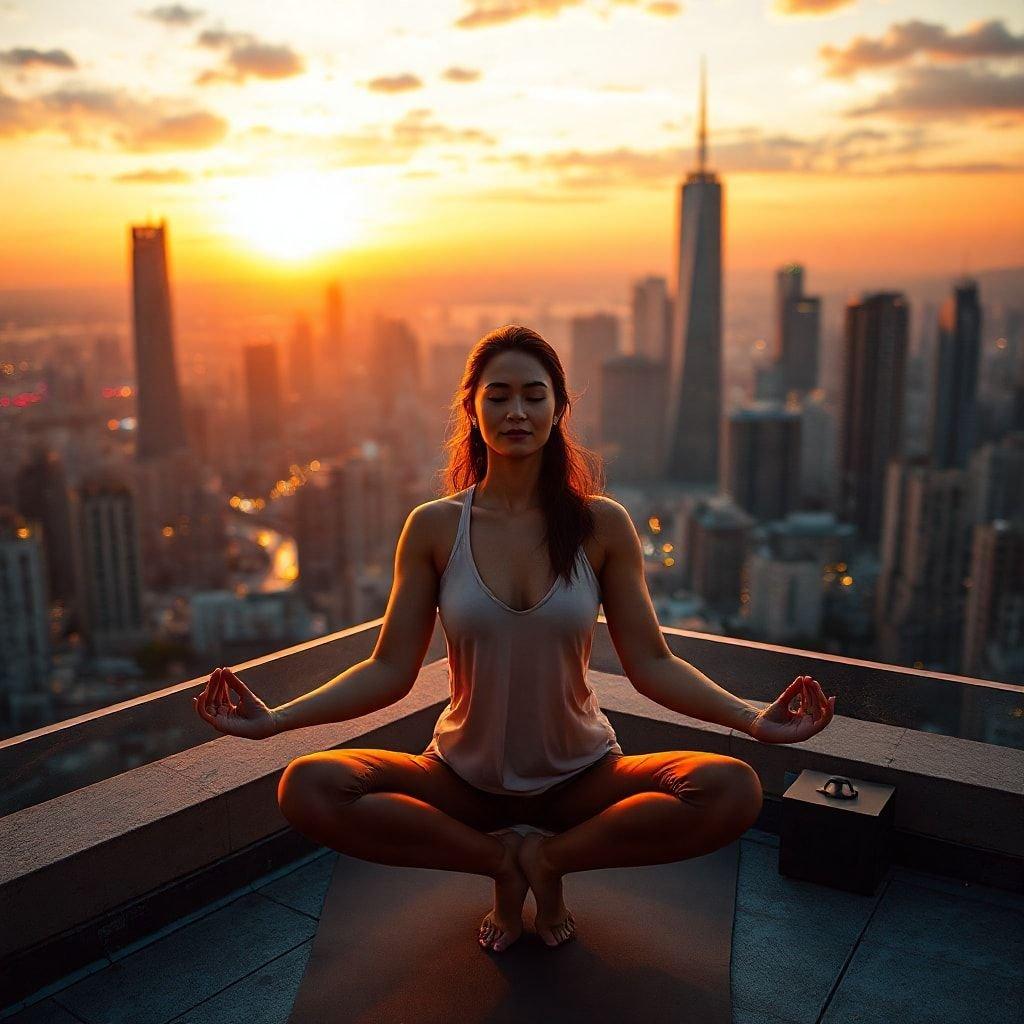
(517, 564)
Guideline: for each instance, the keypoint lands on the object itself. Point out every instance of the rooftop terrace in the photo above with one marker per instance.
(121, 896)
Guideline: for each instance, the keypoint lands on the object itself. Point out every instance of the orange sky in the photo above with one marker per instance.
(531, 143)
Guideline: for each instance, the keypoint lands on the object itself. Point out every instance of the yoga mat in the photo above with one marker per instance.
(398, 945)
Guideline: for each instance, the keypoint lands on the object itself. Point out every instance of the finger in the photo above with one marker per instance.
(238, 686)
(822, 699)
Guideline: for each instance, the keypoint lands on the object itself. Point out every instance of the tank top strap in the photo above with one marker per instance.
(464, 518)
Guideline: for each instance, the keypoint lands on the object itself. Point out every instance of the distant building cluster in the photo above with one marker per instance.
(860, 493)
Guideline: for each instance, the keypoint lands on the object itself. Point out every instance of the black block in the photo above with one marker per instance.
(835, 841)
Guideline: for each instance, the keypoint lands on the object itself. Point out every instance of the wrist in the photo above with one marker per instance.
(747, 718)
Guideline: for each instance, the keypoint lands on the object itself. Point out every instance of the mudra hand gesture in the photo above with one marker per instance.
(777, 723)
(250, 717)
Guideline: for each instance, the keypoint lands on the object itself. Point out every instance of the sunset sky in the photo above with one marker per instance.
(524, 140)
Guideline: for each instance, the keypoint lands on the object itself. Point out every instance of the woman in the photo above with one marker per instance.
(523, 740)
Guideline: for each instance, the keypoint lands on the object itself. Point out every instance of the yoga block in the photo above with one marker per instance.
(833, 839)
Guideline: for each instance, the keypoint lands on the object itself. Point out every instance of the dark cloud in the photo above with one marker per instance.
(98, 118)
(174, 14)
(461, 74)
(247, 57)
(484, 13)
(150, 176)
(27, 57)
(909, 38)
(809, 7)
(948, 93)
(394, 83)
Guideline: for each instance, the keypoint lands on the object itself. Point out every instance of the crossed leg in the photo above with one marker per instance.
(413, 810)
(629, 810)
(410, 810)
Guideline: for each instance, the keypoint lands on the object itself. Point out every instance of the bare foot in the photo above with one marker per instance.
(554, 922)
(504, 923)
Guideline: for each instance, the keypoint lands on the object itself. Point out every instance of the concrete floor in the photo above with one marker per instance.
(924, 949)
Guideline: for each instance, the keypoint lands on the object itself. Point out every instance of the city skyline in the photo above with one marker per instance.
(883, 136)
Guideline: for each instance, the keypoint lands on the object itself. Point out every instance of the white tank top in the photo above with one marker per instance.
(522, 716)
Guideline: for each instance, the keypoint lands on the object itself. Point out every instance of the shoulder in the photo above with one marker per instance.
(614, 527)
(609, 515)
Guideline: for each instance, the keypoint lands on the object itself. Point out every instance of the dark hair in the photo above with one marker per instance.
(570, 473)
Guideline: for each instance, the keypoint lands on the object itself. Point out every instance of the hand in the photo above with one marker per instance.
(778, 724)
(250, 717)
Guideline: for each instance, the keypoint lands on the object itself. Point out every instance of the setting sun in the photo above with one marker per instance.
(297, 215)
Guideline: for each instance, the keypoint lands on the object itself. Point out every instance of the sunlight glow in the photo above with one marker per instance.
(296, 215)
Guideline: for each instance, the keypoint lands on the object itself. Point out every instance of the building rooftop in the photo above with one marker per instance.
(175, 890)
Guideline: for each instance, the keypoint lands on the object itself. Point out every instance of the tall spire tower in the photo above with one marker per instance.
(694, 411)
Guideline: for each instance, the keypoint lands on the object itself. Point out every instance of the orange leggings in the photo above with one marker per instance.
(695, 777)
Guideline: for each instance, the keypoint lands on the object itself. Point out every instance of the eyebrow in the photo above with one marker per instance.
(502, 384)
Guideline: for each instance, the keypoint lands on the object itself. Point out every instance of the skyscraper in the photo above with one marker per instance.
(953, 425)
(161, 421)
(263, 391)
(594, 340)
(695, 364)
(875, 350)
(652, 318)
(797, 331)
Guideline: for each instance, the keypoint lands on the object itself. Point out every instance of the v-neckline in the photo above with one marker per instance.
(476, 571)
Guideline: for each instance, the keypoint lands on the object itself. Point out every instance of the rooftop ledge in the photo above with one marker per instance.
(96, 868)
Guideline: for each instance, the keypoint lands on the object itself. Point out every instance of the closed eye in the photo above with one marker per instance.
(502, 399)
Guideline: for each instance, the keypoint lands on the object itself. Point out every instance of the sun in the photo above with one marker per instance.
(297, 215)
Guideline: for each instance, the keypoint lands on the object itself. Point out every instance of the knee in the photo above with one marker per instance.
(311, 782)
(726, 783)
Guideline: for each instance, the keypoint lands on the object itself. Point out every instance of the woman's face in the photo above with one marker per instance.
(515, 393)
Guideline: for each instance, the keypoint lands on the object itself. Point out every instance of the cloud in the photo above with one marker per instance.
(150, 176)
(860, 152)
(485, 13)
(455, 74)
(800, 8)
(27, 57)
(174, 14)
(395, 83)
(416, 129)
(394, 144)
(909, 38)
(948, 93)
(247, 57)
(96, 118)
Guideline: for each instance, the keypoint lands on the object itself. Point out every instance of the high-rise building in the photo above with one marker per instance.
(106, 540)
(43, 495)
(875, 348)
(301, 368)
(594, 340)
(920, 595)
(953, 426)
(694, 410)
(652, 318)
(818, 427)
(161, 420)
(718, 534)
(994, 620)
(797, 332)
(762, 459)
(263, 391)
(24, 620)
(996, 473)
(789, 285)
(633, 397)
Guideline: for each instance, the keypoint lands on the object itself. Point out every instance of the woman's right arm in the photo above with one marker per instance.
(390, 671)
